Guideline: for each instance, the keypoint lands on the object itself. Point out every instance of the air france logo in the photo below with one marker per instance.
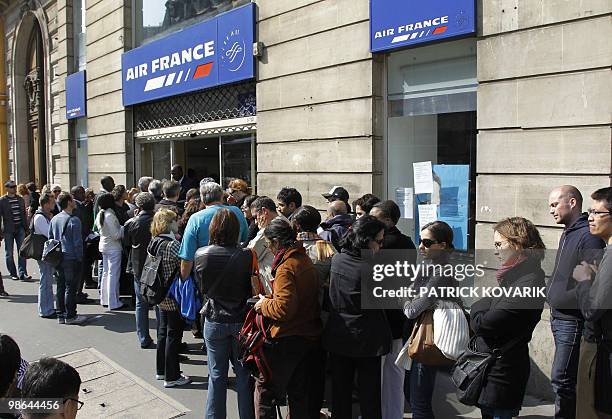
(233, 51)
(201, 52)
(411, 31)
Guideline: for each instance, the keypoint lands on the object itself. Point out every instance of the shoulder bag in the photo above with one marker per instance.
(469, 372)
(422, 347)
(33, 245)
(52, 249)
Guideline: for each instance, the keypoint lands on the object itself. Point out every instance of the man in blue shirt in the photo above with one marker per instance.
(67, 229)
(196, 232)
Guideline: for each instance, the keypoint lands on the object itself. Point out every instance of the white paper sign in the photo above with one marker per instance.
(427, 214)
(404, 197)
(423, 177)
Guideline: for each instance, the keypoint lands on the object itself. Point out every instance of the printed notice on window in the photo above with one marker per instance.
(427, 213)
(423, 177)
(404, 197)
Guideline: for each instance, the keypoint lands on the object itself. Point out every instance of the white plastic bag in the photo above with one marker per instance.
(451, 329)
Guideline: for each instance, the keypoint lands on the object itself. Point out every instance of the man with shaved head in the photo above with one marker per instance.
(577, 244)
(337, 224)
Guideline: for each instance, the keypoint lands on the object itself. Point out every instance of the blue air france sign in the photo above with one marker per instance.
(398, 23)
(208, 54)
(75, 95)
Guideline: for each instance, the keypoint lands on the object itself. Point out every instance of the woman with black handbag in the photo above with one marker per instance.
(499, 322)
(41, 221)
(223, 272)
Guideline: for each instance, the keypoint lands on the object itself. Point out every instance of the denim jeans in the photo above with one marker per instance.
(45, 289)
(222, 344)
(9, 240)
(67, 283)
(142, 316)
(422, 382)
(564, 374)
(492, 413)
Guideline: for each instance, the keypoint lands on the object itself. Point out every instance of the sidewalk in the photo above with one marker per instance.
(120, 375)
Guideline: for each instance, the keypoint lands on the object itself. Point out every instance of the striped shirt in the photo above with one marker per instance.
(15, 209)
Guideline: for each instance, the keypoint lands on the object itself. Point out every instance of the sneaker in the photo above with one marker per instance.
(26, 278)
(61, 319)
(160, 377)
(76, 320)
(14, 277)
(182, 380)
(50, 316)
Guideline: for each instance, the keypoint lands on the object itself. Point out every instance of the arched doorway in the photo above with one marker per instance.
(34, 85)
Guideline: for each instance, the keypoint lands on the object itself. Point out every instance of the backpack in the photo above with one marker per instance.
(152, 284)
(251, 341)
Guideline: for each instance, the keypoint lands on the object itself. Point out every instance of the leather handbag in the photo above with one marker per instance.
(33, 245)
(468, 374)
(422, 347)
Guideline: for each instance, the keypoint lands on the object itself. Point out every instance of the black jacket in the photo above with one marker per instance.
(351, 331)
(496, 321)
(136, 237)
(577, 244)
(223, 275)
(34, 201)
(6, 214)
(395, 240)
(336, 228)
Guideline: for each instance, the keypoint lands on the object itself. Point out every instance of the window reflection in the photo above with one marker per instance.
(157, 18)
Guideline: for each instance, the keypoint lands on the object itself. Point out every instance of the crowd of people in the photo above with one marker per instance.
(303, 276)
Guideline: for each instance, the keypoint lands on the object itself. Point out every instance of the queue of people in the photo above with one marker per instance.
(306, 276)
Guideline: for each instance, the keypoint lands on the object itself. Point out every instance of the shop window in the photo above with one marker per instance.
(154, 19)
(431, 109)
(155, 160)
(238, 159)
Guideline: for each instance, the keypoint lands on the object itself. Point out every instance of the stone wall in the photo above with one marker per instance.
(544, 117)
(317, 94)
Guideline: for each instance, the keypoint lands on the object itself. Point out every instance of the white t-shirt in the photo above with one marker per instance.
(41, 225)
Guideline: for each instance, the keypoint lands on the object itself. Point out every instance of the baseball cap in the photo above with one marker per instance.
(337, 192)
(10, 184)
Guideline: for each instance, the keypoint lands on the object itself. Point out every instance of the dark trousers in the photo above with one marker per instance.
(422, 382)
(288, 360)
(317, 360)
(564, 374)
(169, 335)
(86, 277)
(368, 386)
(67, 283)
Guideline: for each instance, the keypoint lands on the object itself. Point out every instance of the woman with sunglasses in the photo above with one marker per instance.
(509, 321)
(435, 246)
(355, 338)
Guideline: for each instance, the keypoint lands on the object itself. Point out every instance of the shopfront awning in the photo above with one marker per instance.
(226, 126)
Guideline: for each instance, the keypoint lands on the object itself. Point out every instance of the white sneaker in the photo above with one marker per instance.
(160, 377)
(76, 320)
(182, 380)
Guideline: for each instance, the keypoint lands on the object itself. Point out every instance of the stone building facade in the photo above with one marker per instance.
(533, 109)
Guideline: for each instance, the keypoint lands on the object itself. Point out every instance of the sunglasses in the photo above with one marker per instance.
(427, 242)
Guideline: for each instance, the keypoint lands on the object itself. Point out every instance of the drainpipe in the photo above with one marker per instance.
(4, 160)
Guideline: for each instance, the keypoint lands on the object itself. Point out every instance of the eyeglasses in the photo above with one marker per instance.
(78, 402)
(427, 242)
(591, 211)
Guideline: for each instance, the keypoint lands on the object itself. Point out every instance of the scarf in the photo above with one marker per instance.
(278, 258)
(508, 265)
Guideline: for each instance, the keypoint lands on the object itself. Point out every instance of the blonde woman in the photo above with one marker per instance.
(111, 233)
(170, 329)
